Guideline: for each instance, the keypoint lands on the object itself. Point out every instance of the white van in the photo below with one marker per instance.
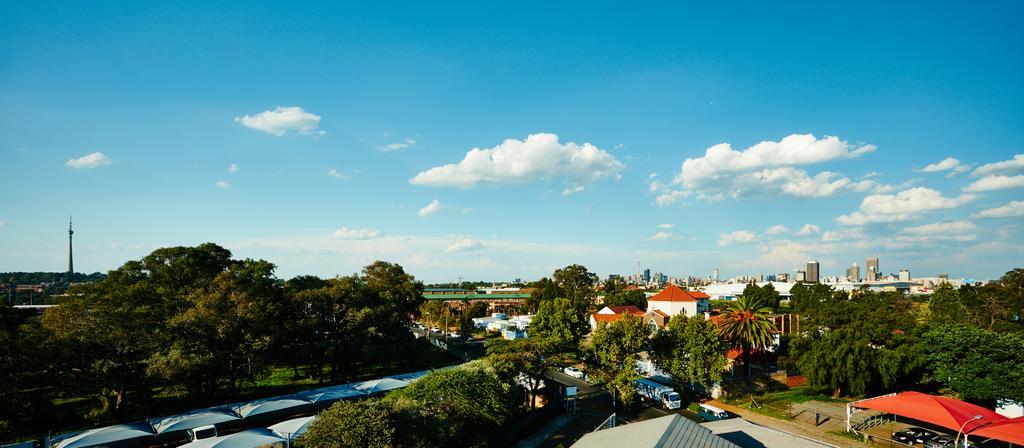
(711, 413)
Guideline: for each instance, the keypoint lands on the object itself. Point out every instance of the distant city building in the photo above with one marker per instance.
(782, 277)
(71, 262)
(800, 276)
(647, 275)
(714, 277)
(811, 275)
(853, 273)
(904, 275)
(872, 273)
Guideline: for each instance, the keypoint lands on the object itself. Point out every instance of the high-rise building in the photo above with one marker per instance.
(800, 276)
(647, 275)
(871, 273)
(853, 273)
(71, 260)
(812, 272)
(783, 277)
(715, 276)
(904, 275)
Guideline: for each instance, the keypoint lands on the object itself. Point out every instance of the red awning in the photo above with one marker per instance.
(1010, 430)
(947, 412)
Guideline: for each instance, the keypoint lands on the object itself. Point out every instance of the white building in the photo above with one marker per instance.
(674, 300)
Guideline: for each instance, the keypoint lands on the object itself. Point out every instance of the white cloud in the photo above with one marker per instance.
(572, 189)
(222, 184)
(663, 236)
(736, 237)
(944, 227)
(666, 199)
(91, 160)
(809, 229)
(666, 226)
(1009, 210)
(345, 233)
(540, 156)
(233, 168)
(465, 245)
(842, 235)
(901, 206)
(1016, 163)
(335, 173)
(407, 143)
(996, 182)
(281, 120)
(431, 208)
(948, 164)
(776, 229)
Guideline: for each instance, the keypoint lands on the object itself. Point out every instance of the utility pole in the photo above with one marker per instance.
(71, 262)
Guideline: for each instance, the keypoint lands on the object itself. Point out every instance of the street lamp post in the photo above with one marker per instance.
(956, 442)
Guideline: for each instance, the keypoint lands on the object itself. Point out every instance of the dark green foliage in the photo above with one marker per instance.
(458, 407)
(981, 365)
(766, 295)
(623, 298)
(612, 354)
(561, 319)
(692, 350)
(528, 360)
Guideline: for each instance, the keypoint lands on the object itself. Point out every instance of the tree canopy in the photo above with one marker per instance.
(692, 351)
(612, 354)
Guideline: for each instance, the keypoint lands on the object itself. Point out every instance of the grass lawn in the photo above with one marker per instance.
(777, 403)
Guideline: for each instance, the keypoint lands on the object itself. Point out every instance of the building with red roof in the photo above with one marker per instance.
(674, 300)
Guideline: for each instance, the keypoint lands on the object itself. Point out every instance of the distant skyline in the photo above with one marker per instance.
(507, 140)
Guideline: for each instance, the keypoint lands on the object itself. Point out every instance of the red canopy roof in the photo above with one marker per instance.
(943, 411)
(1009, 430)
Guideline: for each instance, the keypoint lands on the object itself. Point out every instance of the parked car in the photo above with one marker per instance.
(574, 372)
(435, 330)
(911, 436)
(940, 441)
(711, 413)
(454, 334)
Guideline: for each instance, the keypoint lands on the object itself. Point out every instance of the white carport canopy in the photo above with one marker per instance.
(328, 395)
(280, 405)
(131, 434)
(250, 438)
(378, 386)
(290, 429)
(182, 422)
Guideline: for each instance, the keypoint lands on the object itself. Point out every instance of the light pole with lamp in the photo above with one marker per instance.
(956, 442)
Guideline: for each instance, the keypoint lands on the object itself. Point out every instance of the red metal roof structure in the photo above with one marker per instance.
(676, 294)
(1009, 430)
(947, 412)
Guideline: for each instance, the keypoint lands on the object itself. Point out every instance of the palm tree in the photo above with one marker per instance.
(746, 323)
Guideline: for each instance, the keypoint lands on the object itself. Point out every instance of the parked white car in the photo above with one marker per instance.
(574, 372)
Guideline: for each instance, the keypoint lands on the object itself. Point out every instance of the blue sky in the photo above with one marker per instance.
(340, 120)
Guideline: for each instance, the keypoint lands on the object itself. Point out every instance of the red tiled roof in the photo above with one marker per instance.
(676, 294)
(631, 309)
(662, 313)
(606, 317)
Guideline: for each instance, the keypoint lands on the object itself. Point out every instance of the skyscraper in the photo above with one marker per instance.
(812, 272)
(853, 273)
(872, 273)
(647, 275)
(71, 262)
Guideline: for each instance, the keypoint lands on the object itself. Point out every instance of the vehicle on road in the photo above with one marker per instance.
(658, 393)
(712, 413)
(912, 436)
(435, 330)
(940, 441)
(574, 372)
(454, 334)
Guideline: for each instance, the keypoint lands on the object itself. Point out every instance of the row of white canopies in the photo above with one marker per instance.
(256, 415)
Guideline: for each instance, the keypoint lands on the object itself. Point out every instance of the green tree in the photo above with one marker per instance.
(766, 295)
(747, 325)
(393, 285)
(527, 360)
(561, 319)
(981, 365)
(543, 290)
(577, 283)
(692, 350)
(945, 306)
(624, 298)
(372, 423)
(612, 355)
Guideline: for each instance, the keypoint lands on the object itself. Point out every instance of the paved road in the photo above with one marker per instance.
(795, 427)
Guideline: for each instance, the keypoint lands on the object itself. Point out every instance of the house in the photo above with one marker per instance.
(674, 300)
(611, 314)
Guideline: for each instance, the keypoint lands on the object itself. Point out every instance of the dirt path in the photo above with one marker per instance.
(798, 426)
